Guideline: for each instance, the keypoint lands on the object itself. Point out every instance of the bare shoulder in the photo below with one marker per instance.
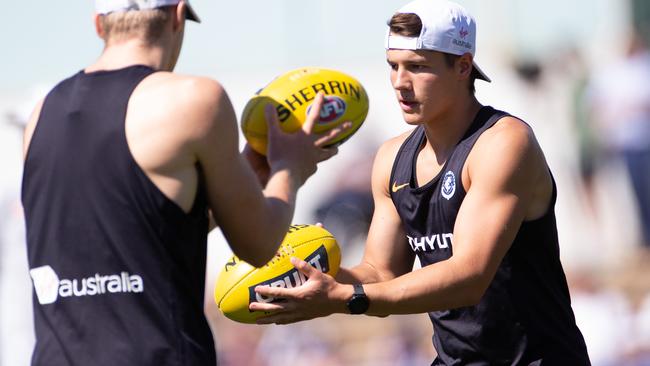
(195, 105)
(384, 162)
(183, 91)
(196, 88)
(508, 158)
(509, 130)
(510, 140)
(505, 152)
(388, 150)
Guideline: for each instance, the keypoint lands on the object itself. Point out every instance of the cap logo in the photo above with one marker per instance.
(461, 43)
(446, 27)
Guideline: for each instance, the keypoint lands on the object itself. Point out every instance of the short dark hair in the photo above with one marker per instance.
(410, 25)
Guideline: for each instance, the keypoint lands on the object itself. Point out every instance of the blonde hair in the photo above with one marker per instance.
(147, 25)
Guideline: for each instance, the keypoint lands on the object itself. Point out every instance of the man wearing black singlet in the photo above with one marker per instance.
(468, 192)
(123, 163)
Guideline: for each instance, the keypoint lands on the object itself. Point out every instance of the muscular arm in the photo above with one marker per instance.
(386, 255)
(175, 122)
(508, 182)
(252, 221)
(504, 170)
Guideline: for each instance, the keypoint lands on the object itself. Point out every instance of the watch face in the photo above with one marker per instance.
(358, 304)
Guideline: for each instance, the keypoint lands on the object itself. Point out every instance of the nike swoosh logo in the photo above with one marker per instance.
(398, 187)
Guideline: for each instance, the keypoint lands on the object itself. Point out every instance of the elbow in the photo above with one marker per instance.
(472, 299)
(259, 251)
(257, 263)
(257, 256)
(475, 292)
(471, 282)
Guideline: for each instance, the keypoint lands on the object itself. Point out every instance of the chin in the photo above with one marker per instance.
(412, 119)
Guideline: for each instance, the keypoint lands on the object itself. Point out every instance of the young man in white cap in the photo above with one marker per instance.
(469, 193)
(123, 161)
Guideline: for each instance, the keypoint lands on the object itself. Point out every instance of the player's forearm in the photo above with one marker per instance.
(445, 285)
(270, 217)
(280, 195)
(362, 273)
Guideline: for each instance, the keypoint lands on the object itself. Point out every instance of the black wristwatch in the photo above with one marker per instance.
(359, 302)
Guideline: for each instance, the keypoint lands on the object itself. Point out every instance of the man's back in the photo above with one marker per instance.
(122, 165)
(117, 266)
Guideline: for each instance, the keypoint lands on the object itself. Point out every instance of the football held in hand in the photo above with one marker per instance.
(292, 95)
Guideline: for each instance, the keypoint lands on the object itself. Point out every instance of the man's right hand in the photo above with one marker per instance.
(301, 151)
(253, 221)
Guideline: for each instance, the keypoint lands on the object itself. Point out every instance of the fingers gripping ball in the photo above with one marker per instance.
(292, 94)
(235, 287)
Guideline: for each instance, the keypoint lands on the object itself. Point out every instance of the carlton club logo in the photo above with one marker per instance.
(49, 287)
(333, 108)
(463, 33)
(448, 185)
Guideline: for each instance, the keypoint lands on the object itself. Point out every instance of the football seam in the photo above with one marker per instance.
(254, 268)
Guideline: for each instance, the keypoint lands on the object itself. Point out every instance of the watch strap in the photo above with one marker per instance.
(358, 289)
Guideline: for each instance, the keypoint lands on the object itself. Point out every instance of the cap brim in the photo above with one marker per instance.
(480, 74)
(190, 14)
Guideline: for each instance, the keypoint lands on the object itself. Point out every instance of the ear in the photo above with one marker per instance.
(464, 66)
(179, 15)
(98, 25)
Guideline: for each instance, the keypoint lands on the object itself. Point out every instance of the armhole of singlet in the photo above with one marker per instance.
(140, 171)
(397, 159)
(496, 117)
(552, 201)
(26, 159)
(554, 192)
(38, 120)
(37, 128)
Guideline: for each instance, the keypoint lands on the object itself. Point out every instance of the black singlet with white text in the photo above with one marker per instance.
(118, 268)
(525, 316)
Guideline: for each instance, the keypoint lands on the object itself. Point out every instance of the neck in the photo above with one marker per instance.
(444, 131)
(132, 52)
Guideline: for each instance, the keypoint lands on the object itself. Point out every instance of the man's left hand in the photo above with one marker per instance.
(320, 296)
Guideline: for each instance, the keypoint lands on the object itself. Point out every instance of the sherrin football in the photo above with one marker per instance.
(235, 286)
(292, 95)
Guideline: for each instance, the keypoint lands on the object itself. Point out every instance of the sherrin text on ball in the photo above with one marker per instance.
(292, 95)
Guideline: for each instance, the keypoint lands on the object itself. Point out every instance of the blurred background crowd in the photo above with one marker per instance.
(578, 72)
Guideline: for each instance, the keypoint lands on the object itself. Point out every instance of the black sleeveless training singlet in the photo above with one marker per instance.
(118, 268)
(525, 316)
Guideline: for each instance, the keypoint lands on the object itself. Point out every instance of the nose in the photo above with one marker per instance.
(401, 80)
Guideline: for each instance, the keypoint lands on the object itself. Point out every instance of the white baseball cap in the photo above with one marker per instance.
(446, 27)
(109, 6)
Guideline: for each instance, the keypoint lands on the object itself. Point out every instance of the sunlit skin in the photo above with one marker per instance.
(424, 85)
(506, 179)
(432, 93)
(175, 123)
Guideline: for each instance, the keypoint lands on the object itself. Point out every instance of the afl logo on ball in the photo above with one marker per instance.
(333, 108)
(448, 185)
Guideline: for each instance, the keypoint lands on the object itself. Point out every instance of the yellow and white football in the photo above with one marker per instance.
(292, 95)
(235, 286)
